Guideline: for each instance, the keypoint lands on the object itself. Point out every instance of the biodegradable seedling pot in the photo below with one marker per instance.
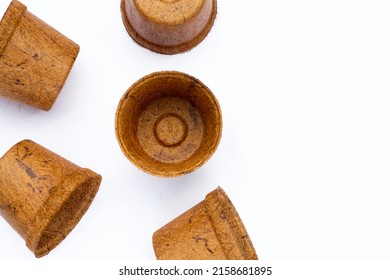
(211, 230)
(35, 59)
(168, 123)
(168, 26)
(42, 195)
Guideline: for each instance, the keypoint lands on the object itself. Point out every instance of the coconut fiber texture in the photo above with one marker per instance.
(168, 26)
(211, 230)
(42, 195)
(35, 59)
(168, 123)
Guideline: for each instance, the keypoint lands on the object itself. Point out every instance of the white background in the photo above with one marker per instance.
(305, 153)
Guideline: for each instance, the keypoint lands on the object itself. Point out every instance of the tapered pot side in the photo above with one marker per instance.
(42, 195)
(35, 59)
(168, 26)
(211, 230)
(168, 123)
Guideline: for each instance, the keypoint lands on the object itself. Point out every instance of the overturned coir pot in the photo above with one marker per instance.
(42, 195)
(211, 230)
(168, 26)
(35, 59)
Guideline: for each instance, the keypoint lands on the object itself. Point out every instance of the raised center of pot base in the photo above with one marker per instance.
(170, 130)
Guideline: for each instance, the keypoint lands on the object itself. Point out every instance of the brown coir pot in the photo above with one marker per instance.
(168, 123)
(168, 26)
(211, 230)
(42, 195)
(35, 59)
